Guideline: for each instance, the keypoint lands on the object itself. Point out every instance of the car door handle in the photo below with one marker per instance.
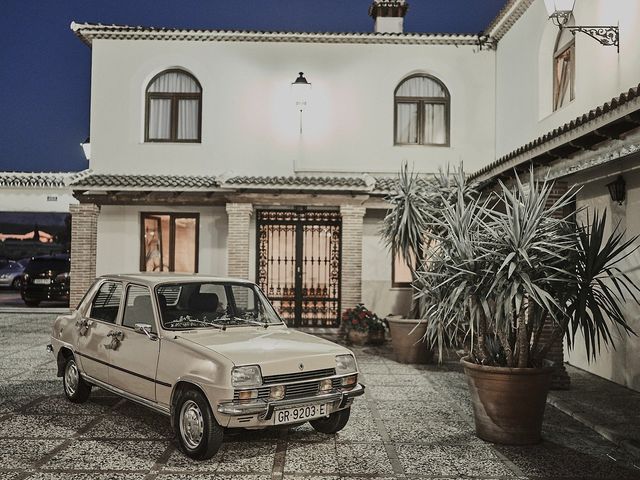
(83, 326)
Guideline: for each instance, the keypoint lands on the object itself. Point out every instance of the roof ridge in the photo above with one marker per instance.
(88, 31)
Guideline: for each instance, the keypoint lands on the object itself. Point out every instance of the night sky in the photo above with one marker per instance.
(44, 68)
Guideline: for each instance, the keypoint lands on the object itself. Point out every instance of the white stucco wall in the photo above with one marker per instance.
(622, 364)
(378, 295)
(524, 62)
(119, 238)
(250, 124)
(35, 199)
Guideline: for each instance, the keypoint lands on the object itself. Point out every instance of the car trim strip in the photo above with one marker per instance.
(129, 396)
(135, 374)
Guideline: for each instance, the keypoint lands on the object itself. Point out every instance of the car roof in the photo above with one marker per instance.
(156, 278)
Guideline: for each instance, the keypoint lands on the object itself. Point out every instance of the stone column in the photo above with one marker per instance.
(239, 215)
(84, 242)
(351, 276)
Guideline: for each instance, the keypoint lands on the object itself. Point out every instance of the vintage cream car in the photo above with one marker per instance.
(210, 352)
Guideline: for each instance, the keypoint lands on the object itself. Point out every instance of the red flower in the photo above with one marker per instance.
(354, 321)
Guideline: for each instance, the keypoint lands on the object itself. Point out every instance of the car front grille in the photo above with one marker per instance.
(293, 391)
(298, 376)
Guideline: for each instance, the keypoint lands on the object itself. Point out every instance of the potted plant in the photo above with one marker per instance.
(506, 269)
(363, 326)
(414, 202)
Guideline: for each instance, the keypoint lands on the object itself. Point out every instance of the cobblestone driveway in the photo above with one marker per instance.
(412, 423)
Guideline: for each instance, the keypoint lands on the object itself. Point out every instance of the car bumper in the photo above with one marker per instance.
(52, 291)
(258, 414)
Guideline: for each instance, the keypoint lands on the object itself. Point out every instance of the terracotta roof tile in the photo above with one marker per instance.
(154, 182)
(42, 180)
(591, 115)
(87, 32)
(299, 181)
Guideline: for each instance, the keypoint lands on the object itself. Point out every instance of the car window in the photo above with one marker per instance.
(106, 303)
(138, 308)
(213, 304)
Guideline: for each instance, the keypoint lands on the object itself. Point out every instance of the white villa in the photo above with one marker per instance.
(211, 152)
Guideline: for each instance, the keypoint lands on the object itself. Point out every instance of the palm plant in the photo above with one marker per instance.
(413, 202)
(500, 269)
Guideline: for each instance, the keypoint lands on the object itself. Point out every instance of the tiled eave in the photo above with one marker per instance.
(95, 185)
(34, 180)
(507, 17)
(604, 123)
(108, 182)
(88, 32)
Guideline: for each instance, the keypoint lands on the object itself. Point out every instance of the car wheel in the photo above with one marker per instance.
(32, 303)
(75, 388)
(16, 283)
(333, 423)
(199, 435)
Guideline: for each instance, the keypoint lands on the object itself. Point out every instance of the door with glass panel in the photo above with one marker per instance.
(169, 242)
(134, 361)
(298, 264)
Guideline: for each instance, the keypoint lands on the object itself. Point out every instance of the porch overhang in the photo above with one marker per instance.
(140, 189)
(603, 134)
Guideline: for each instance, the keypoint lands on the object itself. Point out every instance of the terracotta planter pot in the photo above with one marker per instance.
(408, 347)
(356, 337)
(508, 403)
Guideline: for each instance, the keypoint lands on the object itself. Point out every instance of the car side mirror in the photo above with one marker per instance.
(145, 328)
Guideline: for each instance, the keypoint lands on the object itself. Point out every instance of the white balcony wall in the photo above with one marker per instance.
(250, 124)
(524, 62)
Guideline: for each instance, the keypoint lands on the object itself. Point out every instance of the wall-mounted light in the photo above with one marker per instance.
(86, 148)
(301, 90)
(560, 12)
(618, 190)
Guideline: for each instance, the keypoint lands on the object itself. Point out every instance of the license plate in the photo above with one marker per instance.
(42, 281)
(299, 414)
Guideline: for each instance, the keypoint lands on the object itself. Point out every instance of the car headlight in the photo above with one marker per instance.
(4, 275)
(345, 364)
(246, 376)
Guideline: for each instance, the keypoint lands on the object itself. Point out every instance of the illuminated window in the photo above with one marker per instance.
(421, 112)
(173, 108)
(169, 242)
(564, 69)
(400, 272)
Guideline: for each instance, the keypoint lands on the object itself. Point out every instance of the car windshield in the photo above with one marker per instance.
(189, 305)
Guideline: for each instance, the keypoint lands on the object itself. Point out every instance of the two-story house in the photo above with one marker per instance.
(211, 152)
(205, 156)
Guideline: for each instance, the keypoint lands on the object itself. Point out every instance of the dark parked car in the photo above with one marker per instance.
(10, 273)
(46, 278)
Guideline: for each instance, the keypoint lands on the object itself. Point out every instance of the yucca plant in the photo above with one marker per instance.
(498, 270)
(408, 229)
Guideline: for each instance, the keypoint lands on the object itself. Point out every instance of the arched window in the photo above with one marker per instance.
(564, 69)
(173, 108)
(421, 112)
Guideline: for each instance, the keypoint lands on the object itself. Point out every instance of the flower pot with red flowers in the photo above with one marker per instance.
(363, 327)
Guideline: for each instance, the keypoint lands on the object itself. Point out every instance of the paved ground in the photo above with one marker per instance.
(414, 422)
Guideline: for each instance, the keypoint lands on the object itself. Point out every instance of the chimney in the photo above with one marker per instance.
(388, 15)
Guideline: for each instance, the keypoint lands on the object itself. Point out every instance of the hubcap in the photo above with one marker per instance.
(71, 378)
(191, 424)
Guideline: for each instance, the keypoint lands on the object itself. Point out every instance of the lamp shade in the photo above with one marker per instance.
(559, 7)
(618, 190)
(301, 91)
(86, 148)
